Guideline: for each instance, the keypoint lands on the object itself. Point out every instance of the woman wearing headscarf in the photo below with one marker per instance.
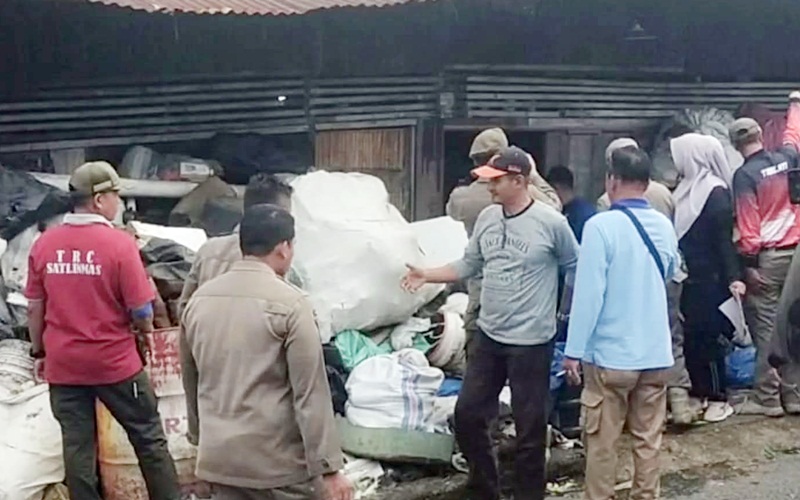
(704, 223)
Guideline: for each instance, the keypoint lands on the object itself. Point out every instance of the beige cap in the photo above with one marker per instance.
(490, 141)
(743, 129)
(93, 178)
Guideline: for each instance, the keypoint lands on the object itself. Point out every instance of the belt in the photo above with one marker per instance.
(784, 248)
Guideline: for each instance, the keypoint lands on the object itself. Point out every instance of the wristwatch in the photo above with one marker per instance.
(36, 354)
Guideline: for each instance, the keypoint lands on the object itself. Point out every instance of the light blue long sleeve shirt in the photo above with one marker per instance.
(619, 316)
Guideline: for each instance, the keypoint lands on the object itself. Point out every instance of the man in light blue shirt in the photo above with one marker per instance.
(619, 328)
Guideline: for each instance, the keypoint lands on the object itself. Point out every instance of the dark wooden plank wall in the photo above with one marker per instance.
(583, 151)
(105, 114)
(52, 41)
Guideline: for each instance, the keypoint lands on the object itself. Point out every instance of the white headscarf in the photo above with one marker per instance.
(701, 161)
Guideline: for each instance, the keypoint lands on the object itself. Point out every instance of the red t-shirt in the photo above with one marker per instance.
(90, 276)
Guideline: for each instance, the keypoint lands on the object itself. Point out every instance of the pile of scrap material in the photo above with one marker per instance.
(707, 121)
(167, 254)
(27, 207)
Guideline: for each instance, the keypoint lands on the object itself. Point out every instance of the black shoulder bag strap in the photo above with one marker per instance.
(645, 237)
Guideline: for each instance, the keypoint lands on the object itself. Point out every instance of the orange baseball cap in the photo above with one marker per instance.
(509, 161)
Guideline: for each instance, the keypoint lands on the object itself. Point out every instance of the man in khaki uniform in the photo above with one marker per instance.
(217, 255)
(657, 194)
(467, 202)
(258, 401)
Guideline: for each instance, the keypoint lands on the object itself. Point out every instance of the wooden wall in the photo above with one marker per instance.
(583, 151)
(52, 41)
(384, 153)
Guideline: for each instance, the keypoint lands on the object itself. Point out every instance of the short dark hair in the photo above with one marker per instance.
(78, 199)
(561, 176)
(263, 228)
(630, 164)
(265, 189)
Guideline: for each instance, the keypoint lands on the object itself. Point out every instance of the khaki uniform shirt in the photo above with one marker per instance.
(257, 393)
(214, 258)
(657, 194)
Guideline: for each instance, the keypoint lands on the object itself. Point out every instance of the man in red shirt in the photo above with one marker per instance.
(86, 285)
(769, 229)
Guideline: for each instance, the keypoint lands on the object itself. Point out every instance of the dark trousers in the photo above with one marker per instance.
(133, 404)
(705, 330)
(527, 369)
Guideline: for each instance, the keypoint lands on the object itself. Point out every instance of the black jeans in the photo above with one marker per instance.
(527, 368)
(133, 404)
(705, 329)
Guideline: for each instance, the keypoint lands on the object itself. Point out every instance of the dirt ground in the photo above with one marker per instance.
(690, 457)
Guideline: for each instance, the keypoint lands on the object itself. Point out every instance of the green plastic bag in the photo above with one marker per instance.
(355, 347)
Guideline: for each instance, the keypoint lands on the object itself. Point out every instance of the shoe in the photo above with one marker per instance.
(679, 404)
(718, 411)
(698, 406)
(752, 407)
(792, 408)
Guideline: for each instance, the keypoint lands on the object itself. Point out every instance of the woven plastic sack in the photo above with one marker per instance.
(394, 391)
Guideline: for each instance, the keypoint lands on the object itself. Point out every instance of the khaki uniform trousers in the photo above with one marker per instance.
(760, 307)
(611, 399)
(312, 490)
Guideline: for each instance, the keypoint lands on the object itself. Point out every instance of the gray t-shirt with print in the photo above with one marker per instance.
(519, 257)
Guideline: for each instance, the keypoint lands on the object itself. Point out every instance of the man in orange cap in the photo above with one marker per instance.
(467, 202)
(518, 245)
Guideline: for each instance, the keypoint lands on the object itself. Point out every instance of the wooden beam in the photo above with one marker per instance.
(142, 138)
(551, 124)
(568, 69)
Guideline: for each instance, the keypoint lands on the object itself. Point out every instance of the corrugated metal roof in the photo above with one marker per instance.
(246, 7)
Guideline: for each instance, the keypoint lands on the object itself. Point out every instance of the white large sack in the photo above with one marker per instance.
(30, 445)
(351, 251)
(190, 237)
(395, 391)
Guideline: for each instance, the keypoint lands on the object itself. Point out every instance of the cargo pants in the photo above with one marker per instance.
(679, 375)
(133, 404)
(612, 399)
(760, 307)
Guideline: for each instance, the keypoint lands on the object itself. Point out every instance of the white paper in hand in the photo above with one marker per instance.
(732, 309)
